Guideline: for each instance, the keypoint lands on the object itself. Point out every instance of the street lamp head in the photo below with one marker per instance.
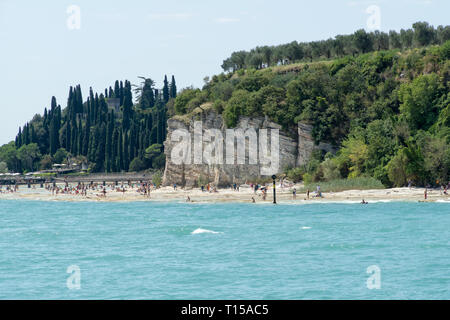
(274, 177)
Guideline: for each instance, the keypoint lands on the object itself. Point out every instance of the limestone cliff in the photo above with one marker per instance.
(295, 149)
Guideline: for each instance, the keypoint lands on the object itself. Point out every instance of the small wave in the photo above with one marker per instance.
(305, 228)
(200, 230)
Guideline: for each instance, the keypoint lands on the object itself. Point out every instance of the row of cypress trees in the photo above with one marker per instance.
(109, 140)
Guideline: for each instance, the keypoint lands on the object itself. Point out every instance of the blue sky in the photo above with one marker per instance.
(42, 57)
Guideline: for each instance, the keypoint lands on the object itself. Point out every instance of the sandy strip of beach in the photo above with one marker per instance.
(245, 194)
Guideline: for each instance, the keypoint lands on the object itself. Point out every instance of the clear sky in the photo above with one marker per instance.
(41, 56)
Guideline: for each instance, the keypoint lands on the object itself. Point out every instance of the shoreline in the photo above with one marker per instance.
(245, 195)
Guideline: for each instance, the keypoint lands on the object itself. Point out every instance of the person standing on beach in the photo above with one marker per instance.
(307, 194)
(294, 194)
(425, 194)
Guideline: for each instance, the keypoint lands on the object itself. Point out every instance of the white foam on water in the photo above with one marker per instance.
(305, 228)
(200, 230)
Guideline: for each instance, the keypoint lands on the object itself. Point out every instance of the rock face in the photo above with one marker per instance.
(294, 149)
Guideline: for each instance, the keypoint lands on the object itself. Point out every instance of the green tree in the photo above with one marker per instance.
(28, 155)
(173, 88)
(3, 167)
(166, 93)
(137, 165)
(8, 154)
(153, 151)
(354, 151)
(159, 161)
(60, 156)
(419, 101)
(147, 98)
(363, 42)
(46, 162)
(183, 99)
(423, 33)
(157, 178)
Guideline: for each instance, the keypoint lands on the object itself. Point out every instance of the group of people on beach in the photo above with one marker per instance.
(100, 190)
(317, 195)
(208, 188)
(9, 189)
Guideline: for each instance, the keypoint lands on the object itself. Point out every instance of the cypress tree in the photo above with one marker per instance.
(78, 100)
(120, 151)
(54, 126)
(166, 93)
(68, 141)
(57, 126)
(132, 143)
(126, 153)
(19, 138)
(173, 88)
(116, 90)
(86, 135)
(53, 104)
(25, 139)
(109, 141)
(80, 138)
(45, 138)
(73, 139)
(121, 93)
(115, 150)
(100, 148)
(33, 135)
(147, 95)
(96, 111)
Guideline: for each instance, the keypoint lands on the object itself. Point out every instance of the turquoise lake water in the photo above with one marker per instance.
(150, 250)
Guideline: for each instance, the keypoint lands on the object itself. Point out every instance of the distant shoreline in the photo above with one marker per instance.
(245, 195)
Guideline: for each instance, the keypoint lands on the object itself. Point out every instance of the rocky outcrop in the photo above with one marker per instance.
(294, 148)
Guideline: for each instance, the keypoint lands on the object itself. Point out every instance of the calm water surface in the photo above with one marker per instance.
(150, 250)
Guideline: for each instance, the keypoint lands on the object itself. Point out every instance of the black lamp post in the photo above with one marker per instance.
(274, 192)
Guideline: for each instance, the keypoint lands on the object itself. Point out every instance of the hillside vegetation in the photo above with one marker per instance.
(106, 138)
(381, 99)
(386, 111)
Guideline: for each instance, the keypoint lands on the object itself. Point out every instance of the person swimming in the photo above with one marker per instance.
(364, 201)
